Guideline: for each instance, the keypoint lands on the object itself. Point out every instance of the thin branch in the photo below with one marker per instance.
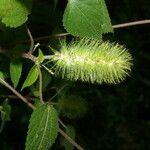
(9, 96)
(40, 85)
(31, 40)
(70, 140)
(29, 56)
(16, 93)
(47, 69)
(58, 92)
(16, 97)
(62, 123)
(32, 106)
(55, 36)
(123, 25)
(134, 23)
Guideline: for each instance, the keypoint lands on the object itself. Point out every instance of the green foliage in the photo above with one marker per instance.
(46, 79)
(14, 13)
(72, 106)
(40, 56)
(2, 76)
(71, 132)
(31, 77)
(87, 18)
(15, 71)
(43, 128)
(115, 114)
(93, 61)
(5, 110)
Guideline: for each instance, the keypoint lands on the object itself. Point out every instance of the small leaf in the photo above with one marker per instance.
(5, 114)
(87, 18)
(70, 131)
(43, 128)
(1, 75)
(46, 79)
(15, 71)
(40, 56)
(32, 77)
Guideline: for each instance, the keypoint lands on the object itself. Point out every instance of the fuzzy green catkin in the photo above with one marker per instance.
(92, 61)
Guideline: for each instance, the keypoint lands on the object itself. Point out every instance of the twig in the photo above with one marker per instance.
(70, 140)
(16, 93)
(31, 40)
(47, 69)
(134, 23)
(62, 123)
(123, 25)
(40, 85)
(29, 56)
(58, 92)
(52, 36)
(16, 97)
(32, 106)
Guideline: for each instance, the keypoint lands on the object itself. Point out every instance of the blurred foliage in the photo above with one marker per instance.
(118, 117)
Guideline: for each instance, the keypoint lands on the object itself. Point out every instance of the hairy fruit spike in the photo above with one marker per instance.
(92, 61)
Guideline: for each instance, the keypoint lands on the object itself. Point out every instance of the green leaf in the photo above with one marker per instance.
(87, 18)
(32, 77)
(40, 56)
(5, 114)
(70, 131)
(14, 13)
(1, 75)
(15, 71)
(46, 79)
(43, 128)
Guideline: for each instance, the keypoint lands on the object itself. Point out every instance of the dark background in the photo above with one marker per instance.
(118, 116)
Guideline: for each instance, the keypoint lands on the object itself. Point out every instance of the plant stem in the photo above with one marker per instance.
(58, 92)
(123, 25)
(62, 123)
(134, 23)
(40, 85)
(15, 97)
(17, 93)
(70, 140)
(32, 106)
(31, 40)
(29, 56)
